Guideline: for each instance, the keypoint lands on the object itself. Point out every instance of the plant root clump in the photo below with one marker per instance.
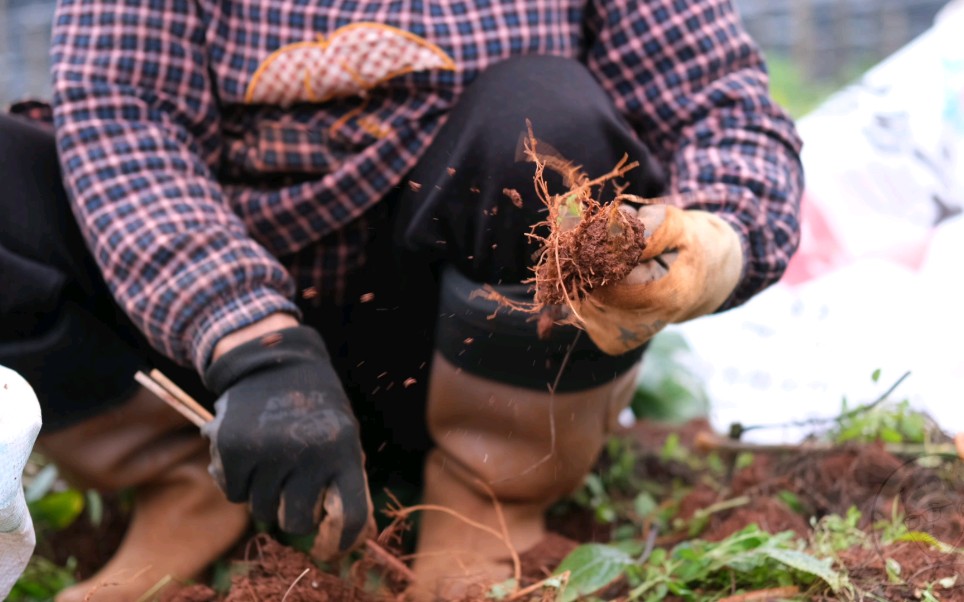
(598, 251)
(586, 245)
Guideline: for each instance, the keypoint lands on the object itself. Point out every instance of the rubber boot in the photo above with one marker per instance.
(181, 522)
(501, 447)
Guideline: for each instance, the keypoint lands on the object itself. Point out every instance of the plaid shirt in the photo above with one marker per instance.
(202, 141)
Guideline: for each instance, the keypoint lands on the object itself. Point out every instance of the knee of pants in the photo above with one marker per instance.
(485, 340)
(569, 112)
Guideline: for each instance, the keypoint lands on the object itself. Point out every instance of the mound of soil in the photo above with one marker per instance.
(778, 492)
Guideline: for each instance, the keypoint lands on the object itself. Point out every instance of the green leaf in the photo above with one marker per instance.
(806, 563)
(876, 375)
(644, 505)
(791, 500)
(42, 580)
(95, 507)
(671, 448)
(889, 435)
(42, 483)
(592, 567)
(630, 547)
(922, 537)
(893, 568)
(57, 510)
(743, 460)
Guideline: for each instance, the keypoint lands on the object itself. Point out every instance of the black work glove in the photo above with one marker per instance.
(285, 440)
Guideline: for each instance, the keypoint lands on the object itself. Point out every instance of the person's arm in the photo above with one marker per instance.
(137, 129)
(694, 85)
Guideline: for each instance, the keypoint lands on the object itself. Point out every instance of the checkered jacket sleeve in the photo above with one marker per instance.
(695, 86)
(137, 129)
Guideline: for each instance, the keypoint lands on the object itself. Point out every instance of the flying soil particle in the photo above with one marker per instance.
(514, 196)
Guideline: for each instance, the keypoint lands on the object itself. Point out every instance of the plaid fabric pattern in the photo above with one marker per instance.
(194, 161)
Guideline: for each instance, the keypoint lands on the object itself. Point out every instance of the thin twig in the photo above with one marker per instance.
(706, 442)
(404, 512)
(386, 559)
(525, 591)
(181, 395)
(738, 429)
(161, 584)
(516, 561)
(155, 388)
(650, 544)
(552, 413)
(294, 583)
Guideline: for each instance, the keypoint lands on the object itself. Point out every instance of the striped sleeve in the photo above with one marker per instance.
(694, 85)
(137, 131)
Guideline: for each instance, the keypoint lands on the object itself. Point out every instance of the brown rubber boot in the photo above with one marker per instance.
(496, 440)
(181, 521)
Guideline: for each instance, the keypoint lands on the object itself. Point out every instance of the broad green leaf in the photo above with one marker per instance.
(876, 375)
(592, 567)
(820, 568)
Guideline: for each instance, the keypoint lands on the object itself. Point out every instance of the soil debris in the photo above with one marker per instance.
(514, 196)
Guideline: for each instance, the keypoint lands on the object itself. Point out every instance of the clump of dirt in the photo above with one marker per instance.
(770, 514)
(278, 572)
(913, 569)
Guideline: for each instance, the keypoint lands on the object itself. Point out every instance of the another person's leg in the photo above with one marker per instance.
(61, 330)
(513, 416)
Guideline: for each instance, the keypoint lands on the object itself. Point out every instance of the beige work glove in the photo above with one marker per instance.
(691, 265)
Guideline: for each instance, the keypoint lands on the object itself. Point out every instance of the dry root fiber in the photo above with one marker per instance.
(589, 244)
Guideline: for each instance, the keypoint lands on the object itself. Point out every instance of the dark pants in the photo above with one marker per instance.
(60, 328)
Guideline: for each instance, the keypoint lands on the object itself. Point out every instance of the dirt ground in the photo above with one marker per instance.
(820, 482)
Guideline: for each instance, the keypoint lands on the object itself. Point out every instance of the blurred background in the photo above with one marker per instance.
(814, 46)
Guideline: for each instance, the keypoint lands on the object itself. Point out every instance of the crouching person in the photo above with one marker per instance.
(294, 230)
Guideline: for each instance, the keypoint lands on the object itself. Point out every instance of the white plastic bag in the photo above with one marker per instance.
(19, 426)
(877, 282)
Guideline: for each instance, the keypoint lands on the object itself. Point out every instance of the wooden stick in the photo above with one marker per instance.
(707, 442)
(152, 386)
(179, 393)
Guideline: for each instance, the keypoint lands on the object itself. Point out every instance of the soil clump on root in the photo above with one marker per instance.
(587, 243)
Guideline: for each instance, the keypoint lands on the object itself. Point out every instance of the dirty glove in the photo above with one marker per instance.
(692, 263)
(285, 440)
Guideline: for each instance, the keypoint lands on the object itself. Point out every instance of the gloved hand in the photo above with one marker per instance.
(692, 263)
(285, 440)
